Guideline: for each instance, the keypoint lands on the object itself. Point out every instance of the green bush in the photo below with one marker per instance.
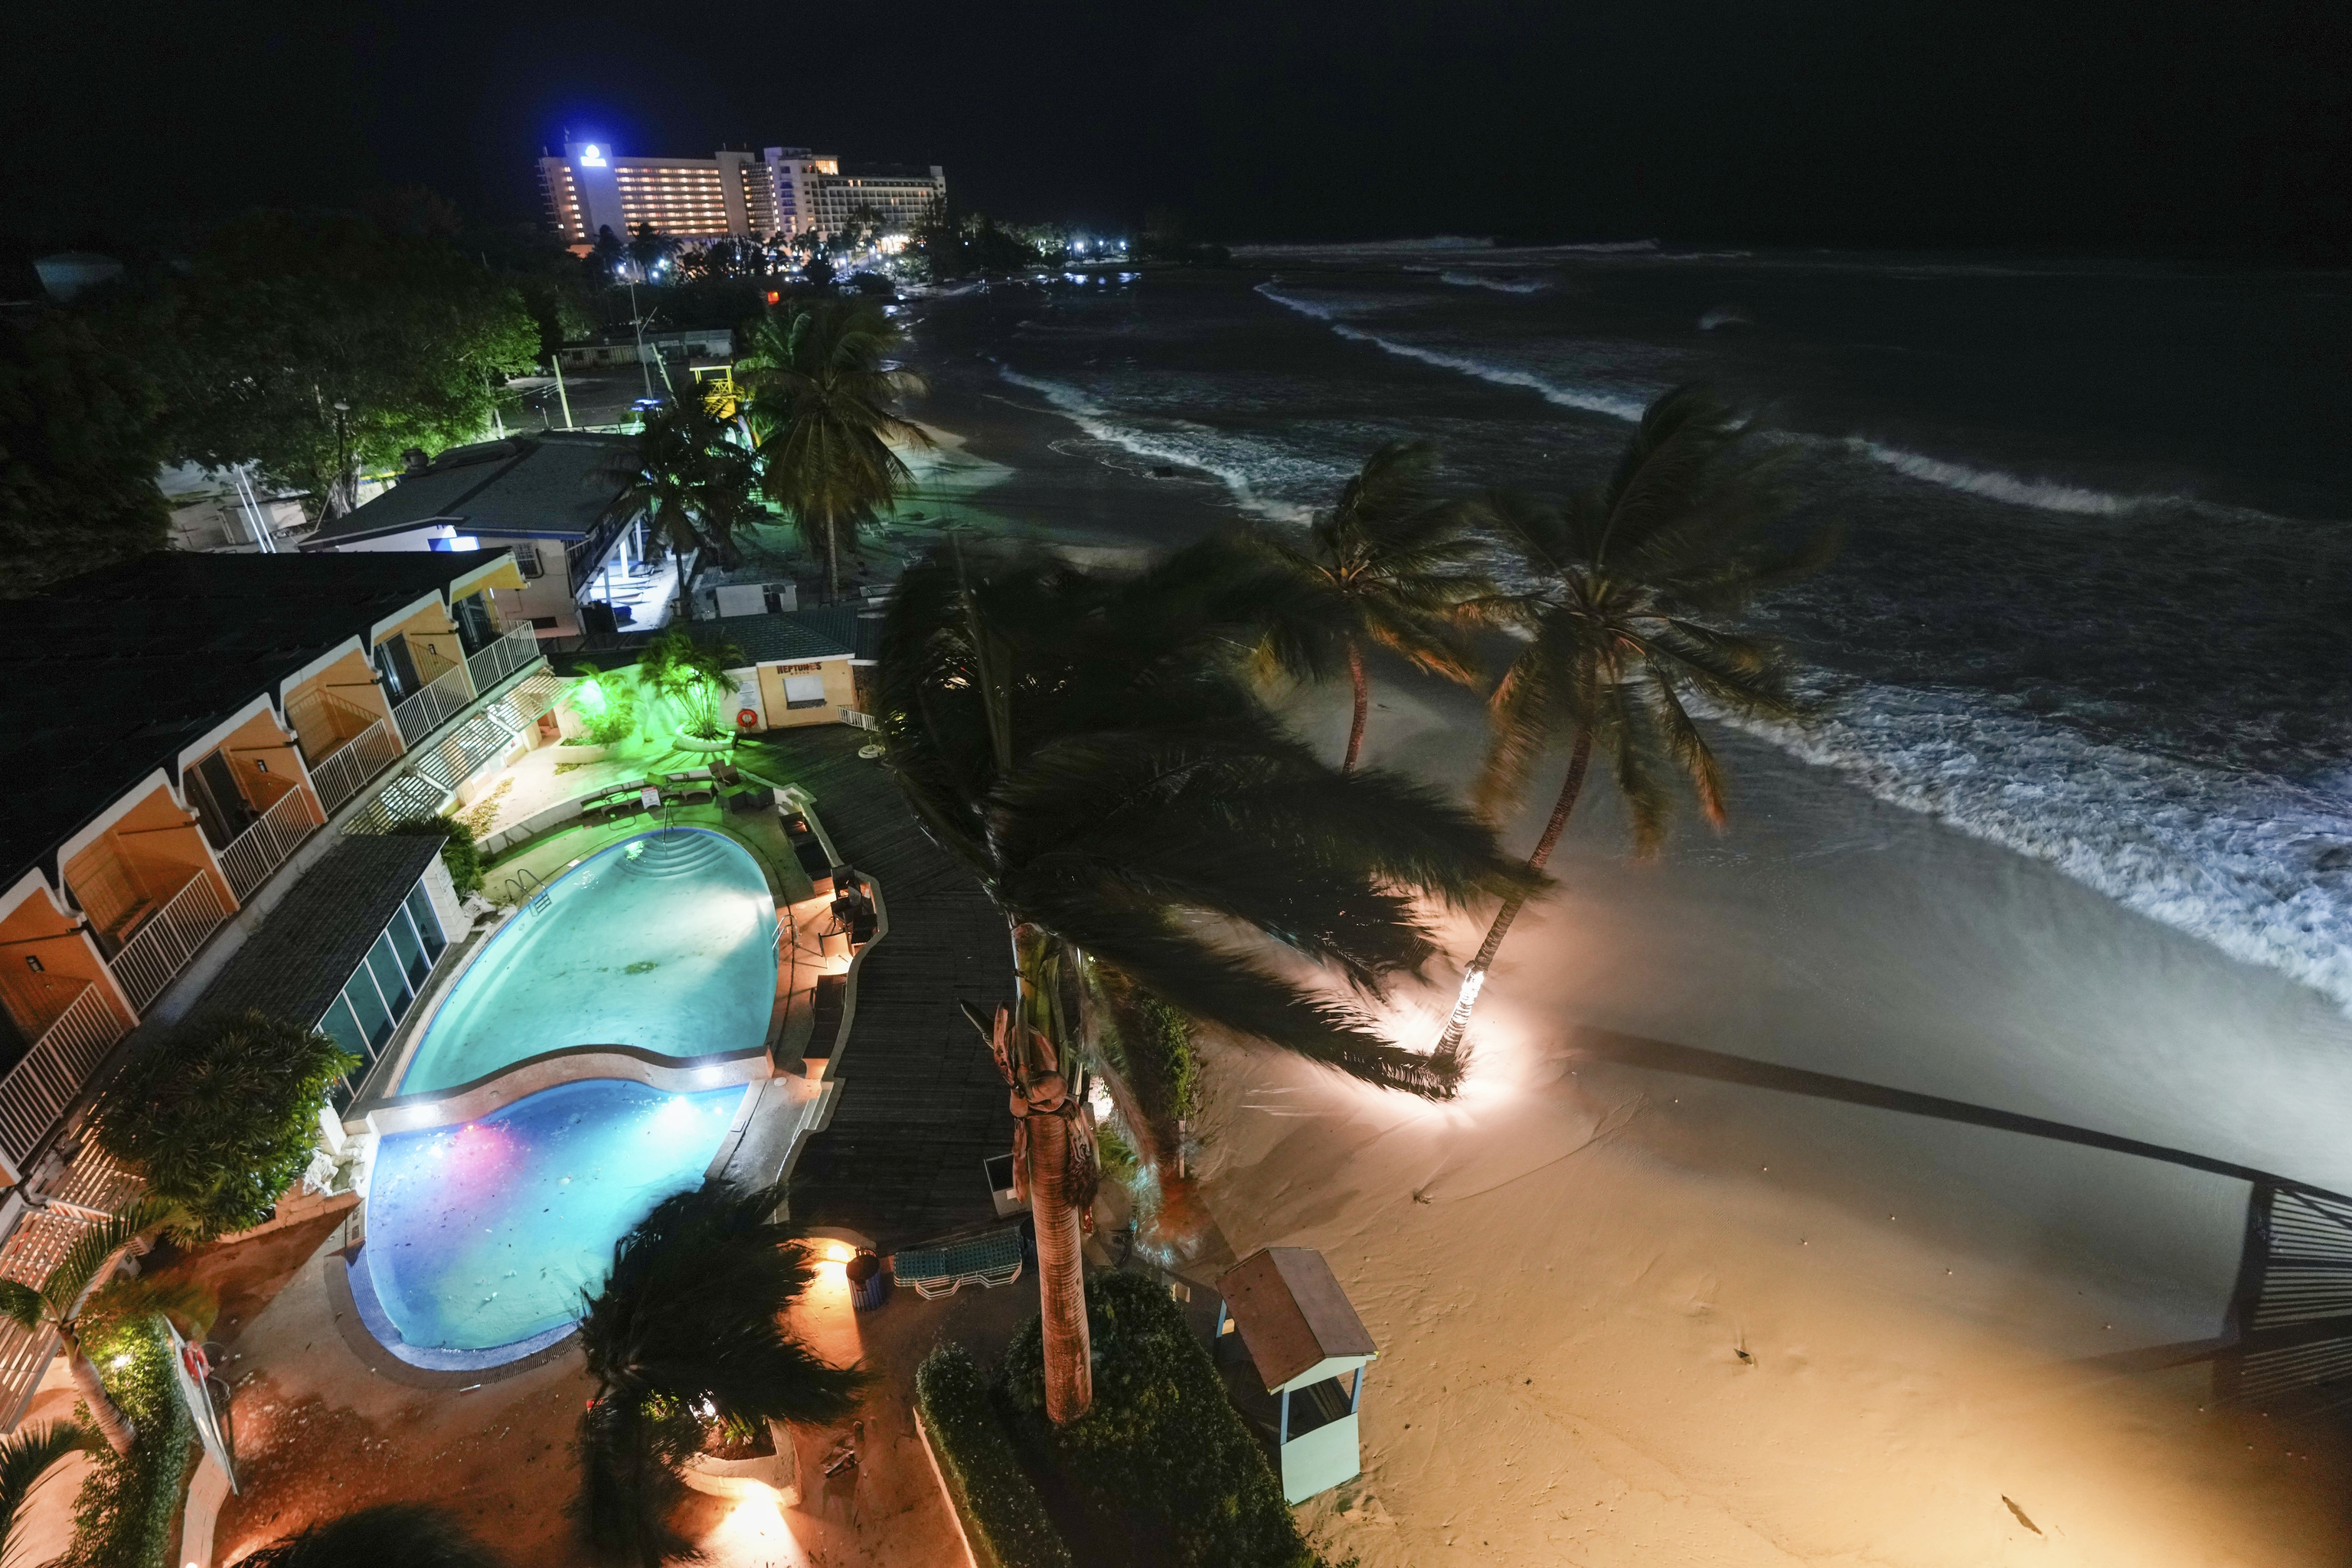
(1161, 1453)
(981, 1469)
(223, 1117)
(124, 1514)
(458, 850)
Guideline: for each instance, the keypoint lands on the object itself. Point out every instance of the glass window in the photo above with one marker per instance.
(345, 1028)
(410, 951)
(428, 924)
(367, 1005)
(386, 965)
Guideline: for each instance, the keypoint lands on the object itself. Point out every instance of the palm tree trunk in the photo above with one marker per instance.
(1473, 977)
(1043, 1150)
(1363, 704)
(104, 1413)
(832, 558)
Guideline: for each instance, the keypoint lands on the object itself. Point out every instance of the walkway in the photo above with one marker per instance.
(922, 1106)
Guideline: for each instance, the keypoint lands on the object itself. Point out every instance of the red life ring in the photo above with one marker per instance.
(199, 1366)
(747, 717)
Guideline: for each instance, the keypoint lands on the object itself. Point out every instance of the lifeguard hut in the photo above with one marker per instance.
(1311, 1351)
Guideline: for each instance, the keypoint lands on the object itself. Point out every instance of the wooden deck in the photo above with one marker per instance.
(920, 1105)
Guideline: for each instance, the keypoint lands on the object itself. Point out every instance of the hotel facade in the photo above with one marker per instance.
(732, 194)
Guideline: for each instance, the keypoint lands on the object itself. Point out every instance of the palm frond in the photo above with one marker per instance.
(390, 1535)
(29, 1454)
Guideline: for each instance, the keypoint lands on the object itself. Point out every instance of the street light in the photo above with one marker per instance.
(342, 461)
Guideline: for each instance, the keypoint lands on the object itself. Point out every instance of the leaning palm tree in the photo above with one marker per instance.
(1638, 579)
(1090, 746)
(1389, 564)
(689, 479)
(76, 1286)
(25, 1455)
(687, 1341)
(823, 405)
(390, 1535)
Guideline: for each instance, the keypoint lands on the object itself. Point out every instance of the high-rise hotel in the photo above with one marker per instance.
(734, 194)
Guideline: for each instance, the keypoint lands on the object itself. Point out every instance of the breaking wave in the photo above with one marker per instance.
(1499, 285)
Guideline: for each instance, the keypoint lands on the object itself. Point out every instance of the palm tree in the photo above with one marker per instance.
(74, 1288)
(1088, 746)
(693, 675)
(687, 1341)
(390, 1535)
(823, 405)
(1638, 578)
(689, 477)
(649, 249)
(1387, 565)
(25, 1455)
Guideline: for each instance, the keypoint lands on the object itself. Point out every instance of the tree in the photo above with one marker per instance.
(608, 256)
(650, 250)
(823, 405)
(693, 676)
(688, 475)
(687, 1344)
(390, 1535)
(1088, 744)
(75, 1289)
(1638, 579)
(26, 1455)
(1387, 564)
(79, 444)
(285, 316)
(224, 1119)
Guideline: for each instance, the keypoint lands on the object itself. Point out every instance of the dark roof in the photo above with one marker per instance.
(856, 628)
(1292, 1313)
(317, 935)
(555, 483)
(787, 637)
(107, 677)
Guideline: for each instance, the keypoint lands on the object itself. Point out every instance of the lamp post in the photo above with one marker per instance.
(342, 460)
(637, 323)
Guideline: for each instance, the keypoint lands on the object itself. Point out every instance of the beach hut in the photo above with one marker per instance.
(1311, 1351)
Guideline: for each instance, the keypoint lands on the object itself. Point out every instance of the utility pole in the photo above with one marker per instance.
(638, 323)
(342, 461)
(561, 396)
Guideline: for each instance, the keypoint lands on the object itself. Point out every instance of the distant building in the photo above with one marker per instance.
(732, 194)
(689, 345)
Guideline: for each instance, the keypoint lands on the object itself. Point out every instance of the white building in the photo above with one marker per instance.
(732, 194)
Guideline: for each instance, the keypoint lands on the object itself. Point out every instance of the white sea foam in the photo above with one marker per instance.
(1499, 285)
(2046, 495)
(1172, 441)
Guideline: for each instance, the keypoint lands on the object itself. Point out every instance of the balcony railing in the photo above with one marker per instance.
(495, 661)
(39, 1090)
(422, 712)
(348, 766)
(161, 948)
(262, 848)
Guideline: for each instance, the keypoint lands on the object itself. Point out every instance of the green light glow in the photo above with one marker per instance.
(590, 697)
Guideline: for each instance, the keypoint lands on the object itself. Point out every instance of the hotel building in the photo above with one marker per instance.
(732, 194)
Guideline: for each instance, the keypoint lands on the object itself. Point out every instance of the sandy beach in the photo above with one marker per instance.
(1784, 1218)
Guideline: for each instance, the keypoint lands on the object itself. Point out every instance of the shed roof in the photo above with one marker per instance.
(559, 482)
(1292, 1313)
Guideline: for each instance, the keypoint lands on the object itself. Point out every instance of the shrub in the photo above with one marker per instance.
(1161, 1453)
(983, 1470)
(223, 1117)
(1153, 1043)
(458, 850)
(124, 1514)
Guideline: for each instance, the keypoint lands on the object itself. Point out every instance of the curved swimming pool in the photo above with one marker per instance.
(665, 941)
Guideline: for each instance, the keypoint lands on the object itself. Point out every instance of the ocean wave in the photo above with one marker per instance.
(2044, 495)
(1176, 442)
(1499, 285)
(1591, 400)
(2258, 867)
(1366, 247)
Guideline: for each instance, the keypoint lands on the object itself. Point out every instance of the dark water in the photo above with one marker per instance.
(2096, 597)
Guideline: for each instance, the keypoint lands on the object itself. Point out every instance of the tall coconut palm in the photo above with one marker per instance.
(1088, 744)
(1390, 564)
(78, 1285)
(689, 477)
(1638, 580)
(390, 1535)
(687, 1341)
(26, 1455)
(824, 404)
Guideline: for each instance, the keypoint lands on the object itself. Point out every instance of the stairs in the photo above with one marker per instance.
(673, 853)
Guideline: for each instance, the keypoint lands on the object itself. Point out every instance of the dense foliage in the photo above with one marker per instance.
(693, 482)
(221, 1119)
(692, 675)
(1162, 1456)
(982, 1466)
(26, 1455)
(78, 449)
(125, 1514)
(459, 850)
(390, 1535)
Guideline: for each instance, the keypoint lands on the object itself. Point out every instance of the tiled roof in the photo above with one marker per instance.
(312, 941)
(555, 483)
(787, 637)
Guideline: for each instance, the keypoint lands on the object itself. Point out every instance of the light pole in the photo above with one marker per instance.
(342, 462)
(638, 323)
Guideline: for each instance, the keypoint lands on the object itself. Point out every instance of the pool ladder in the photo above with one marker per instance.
(521, 883)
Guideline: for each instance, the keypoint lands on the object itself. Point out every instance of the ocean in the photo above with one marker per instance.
(2096, 598)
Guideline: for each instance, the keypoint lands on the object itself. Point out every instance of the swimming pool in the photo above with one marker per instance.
(484, 1236)
(665, 941)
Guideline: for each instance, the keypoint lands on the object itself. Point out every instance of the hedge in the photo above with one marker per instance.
(1161, 1455)
(994, 1490)
(129, 1503)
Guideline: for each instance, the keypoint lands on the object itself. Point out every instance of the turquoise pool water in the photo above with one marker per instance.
(665, 941)
(486, 1234)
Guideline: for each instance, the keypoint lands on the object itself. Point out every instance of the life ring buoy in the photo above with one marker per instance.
(747, 717)
(199, 1365)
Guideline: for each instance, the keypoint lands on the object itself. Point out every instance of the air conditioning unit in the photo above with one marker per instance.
(757, 598)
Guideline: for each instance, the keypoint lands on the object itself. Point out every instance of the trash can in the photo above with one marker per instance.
(869, 1286)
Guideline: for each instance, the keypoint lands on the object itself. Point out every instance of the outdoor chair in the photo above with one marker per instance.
(991, 1259)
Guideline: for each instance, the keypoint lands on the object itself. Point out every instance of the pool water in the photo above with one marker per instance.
(665, 941)
(487, 1234)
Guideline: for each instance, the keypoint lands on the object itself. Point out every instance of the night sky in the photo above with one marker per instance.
(2108, 125)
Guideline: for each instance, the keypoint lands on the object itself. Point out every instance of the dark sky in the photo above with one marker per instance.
(2227, 122)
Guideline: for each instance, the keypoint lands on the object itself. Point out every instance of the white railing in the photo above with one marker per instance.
(39, 1090)
(161, 948)
(856, 721)
(263, 847)
(422, 712)
(497, 660)
(344, 770)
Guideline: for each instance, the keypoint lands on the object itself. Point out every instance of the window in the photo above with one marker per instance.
(384, 986)
(804, 686)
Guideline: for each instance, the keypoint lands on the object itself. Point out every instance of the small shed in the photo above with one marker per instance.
(1311, 1351)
